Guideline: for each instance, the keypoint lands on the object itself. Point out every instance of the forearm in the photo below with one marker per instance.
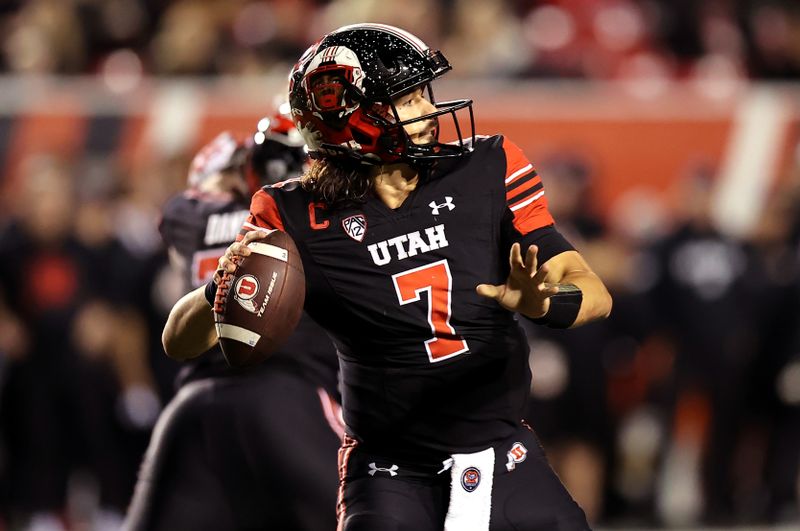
(190, 327)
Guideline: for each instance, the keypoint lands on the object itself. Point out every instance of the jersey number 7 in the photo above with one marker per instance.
(435, 279)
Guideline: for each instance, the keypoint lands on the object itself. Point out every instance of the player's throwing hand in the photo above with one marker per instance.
(525, 290)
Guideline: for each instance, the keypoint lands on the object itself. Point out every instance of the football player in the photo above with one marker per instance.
(220, 456)
(418, 255)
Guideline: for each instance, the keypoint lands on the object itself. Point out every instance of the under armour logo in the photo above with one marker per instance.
(448, 202)
(392, 470)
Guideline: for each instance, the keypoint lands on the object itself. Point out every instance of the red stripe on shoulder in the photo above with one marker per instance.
(530, 205)
(264, 214)
(517, 164)
(520, 191)
(532, 213)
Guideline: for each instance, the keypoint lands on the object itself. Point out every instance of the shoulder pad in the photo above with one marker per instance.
(490, 141)
(287, 186)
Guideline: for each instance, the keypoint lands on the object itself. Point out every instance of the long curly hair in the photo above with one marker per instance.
(338, 183)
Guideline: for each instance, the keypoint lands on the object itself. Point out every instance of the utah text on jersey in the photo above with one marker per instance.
(395, 289)
(410, 244)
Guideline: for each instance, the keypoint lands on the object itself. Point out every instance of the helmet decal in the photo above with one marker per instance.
(311, 135)
(330, 74)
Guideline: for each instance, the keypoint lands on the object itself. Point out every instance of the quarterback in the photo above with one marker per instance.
(418, 256)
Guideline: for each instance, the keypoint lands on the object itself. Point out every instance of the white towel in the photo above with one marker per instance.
(470, 492)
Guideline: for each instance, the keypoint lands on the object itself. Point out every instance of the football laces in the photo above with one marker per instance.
(225, 285)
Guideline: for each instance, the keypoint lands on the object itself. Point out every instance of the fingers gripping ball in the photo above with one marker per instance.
(257, 307)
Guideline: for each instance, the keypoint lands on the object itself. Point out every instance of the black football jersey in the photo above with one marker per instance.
(198, 228)
(427, 364)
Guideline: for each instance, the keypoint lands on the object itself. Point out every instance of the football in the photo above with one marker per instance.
(258, 306)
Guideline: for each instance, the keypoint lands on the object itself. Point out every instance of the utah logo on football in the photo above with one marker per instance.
(244, 292)
(355, 226)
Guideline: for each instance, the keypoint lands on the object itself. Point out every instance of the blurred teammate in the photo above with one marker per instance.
(417, 256)
(222, 456)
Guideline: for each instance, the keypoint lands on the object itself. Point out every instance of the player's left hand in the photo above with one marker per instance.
(525, 290)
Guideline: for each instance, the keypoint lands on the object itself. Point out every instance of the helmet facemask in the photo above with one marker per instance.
(428, 152)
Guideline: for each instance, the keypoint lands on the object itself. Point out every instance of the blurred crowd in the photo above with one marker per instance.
(84, 294)
(682, 408)
(596, 39)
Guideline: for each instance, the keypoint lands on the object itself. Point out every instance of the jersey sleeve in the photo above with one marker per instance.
(264, 215)
(524, 191)
(527, 219)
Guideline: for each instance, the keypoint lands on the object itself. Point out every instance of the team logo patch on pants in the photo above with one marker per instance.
(516, 455)
(470, 479)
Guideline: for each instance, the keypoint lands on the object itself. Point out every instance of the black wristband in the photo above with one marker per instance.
(211, 292)
(564, 307)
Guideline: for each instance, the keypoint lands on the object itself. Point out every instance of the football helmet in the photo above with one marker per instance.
(225, 152)
(276, 151)
(342, 89)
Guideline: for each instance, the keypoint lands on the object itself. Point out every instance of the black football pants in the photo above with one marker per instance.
(238, 453)
(529, 498)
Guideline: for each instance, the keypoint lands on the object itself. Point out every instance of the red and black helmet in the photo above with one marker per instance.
(276, 151)
(226, 152)
(341, 93)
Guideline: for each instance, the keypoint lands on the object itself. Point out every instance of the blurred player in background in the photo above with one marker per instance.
(221, 456)
(417, 255)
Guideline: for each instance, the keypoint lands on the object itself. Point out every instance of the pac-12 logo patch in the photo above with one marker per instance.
(470, 479)
(355, 226)
(245, 289)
